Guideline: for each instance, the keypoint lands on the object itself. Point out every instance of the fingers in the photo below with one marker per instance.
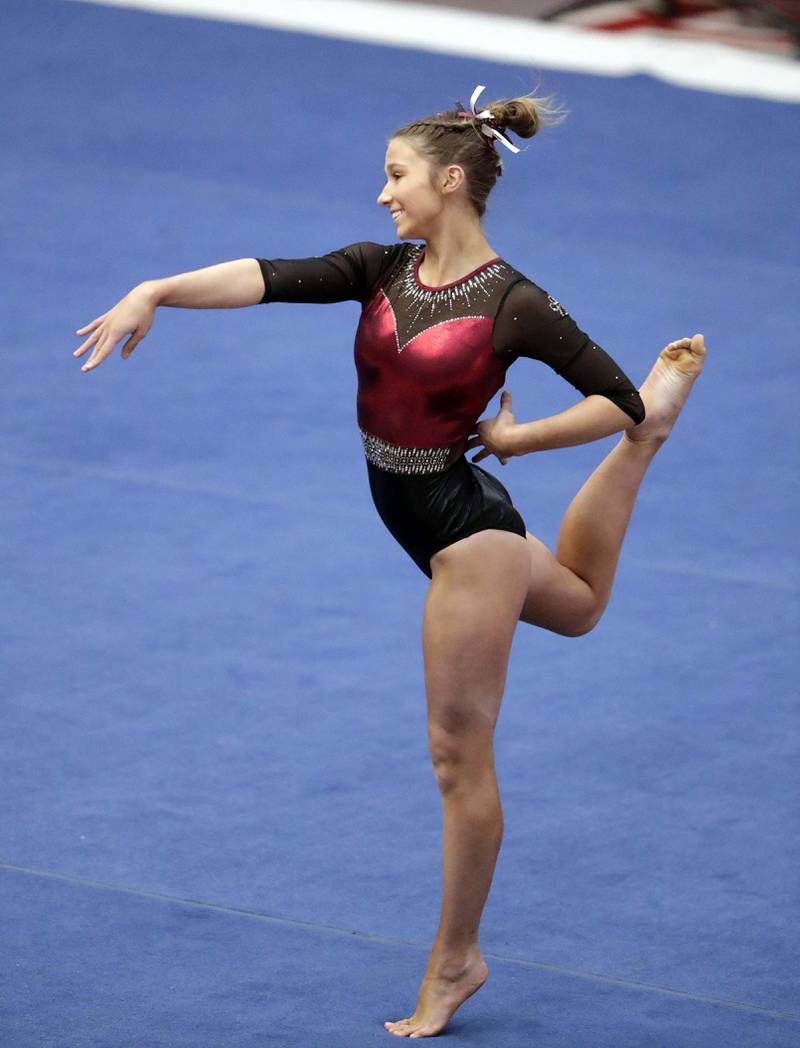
(90, 327)
(92, 362)
(129, 346)
(90, 341)
(99, 353)
(102, 342)
(505, 414)
(485, 454)
(94, 337)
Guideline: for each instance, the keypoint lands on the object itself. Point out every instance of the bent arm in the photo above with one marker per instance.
(531, 323)
(222, 286)
(590, 419)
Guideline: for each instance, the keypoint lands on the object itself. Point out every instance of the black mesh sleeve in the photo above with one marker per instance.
(341, 276)
(531, 323)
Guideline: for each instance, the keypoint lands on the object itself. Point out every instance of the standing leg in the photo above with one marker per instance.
(569, 592)
(471, 611)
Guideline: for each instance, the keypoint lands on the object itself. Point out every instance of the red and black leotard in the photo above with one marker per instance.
(428, 361)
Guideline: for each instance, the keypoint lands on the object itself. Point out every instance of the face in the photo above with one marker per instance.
(413, 202)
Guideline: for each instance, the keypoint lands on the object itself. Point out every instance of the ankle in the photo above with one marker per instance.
(451, 962)
(646, 447)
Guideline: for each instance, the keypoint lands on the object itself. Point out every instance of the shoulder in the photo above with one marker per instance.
(367, 248)
(531, 322)
(374, 261)
(368, 252)
(526, 295)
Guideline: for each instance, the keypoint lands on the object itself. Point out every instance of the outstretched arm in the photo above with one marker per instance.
(223, 286)
(340, 276)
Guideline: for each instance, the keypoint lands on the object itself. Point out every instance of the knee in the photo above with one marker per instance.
(583, 625)
(459, 755)
(448, 768)
(586, 621)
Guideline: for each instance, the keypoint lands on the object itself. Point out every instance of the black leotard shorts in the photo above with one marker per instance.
(430, 511)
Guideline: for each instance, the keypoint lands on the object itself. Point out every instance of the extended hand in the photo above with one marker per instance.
(496, 434)
(132, 315)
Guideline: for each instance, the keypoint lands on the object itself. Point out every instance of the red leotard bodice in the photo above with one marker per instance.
(424, 356)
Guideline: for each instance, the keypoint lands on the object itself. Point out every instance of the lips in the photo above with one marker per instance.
(396, 215)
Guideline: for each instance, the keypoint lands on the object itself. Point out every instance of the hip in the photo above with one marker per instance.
(427, 512)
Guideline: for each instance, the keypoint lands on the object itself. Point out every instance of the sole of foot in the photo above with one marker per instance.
(666, 388)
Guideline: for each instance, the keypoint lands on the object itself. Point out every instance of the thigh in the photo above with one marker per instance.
(557, 599)
(473, 605)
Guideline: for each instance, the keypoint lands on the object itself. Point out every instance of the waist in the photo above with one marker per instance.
(396, 459)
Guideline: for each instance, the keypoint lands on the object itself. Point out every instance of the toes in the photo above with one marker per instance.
(698, 345)
(405, 1028)
(401, 1028)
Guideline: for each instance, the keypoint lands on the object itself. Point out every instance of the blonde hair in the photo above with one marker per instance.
(456, 138)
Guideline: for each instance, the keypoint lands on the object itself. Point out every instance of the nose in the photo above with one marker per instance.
(383, 196)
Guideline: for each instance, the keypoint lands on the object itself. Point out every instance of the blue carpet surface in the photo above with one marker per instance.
(178, 974)
(210, 675)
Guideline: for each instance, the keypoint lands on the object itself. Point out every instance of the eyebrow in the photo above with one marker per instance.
(395, 163)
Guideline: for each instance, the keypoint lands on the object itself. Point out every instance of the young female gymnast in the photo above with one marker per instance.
(441, 322)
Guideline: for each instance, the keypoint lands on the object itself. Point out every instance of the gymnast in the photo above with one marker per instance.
(442, 319)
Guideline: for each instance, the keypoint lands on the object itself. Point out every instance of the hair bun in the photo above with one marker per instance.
(526, 115)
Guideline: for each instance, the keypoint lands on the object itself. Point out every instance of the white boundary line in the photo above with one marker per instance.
(700, 65)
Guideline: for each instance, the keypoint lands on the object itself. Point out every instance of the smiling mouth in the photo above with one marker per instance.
(397, 214)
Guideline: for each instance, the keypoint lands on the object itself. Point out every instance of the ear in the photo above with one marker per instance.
(453, 178)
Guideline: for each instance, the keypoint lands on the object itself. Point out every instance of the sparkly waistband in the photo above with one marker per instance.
(395, 459)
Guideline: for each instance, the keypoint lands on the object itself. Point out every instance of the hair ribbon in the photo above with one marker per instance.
(485, 116)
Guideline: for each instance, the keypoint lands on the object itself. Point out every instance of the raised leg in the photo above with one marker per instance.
(569, 592)
(471, 611)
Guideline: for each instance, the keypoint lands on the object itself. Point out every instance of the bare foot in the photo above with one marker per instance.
(666, 388)
(439, 997)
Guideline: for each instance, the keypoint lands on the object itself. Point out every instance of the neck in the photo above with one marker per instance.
(453, 251)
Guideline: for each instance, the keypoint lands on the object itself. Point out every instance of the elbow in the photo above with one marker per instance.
(630, 408)
(634, 409)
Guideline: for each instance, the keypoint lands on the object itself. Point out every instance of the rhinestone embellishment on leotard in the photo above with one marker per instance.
(395, 459)
(556, 306)
(426, 303)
